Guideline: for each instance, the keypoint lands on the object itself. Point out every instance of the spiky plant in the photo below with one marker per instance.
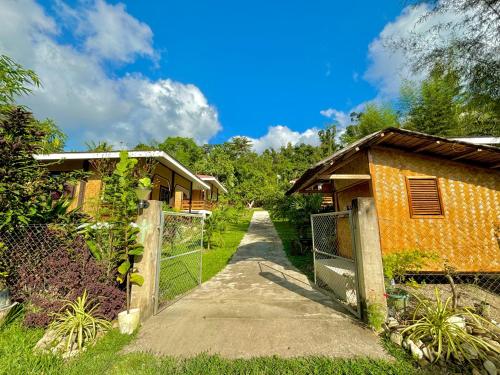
(78, 323)
(434, 323)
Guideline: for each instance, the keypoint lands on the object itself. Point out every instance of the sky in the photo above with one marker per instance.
(139, 71)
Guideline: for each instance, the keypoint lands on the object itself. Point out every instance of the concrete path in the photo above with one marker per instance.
(259, 305)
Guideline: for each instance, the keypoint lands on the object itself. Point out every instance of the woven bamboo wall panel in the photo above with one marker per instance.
(466, 235)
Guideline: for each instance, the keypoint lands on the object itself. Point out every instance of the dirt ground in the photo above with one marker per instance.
(469, 296)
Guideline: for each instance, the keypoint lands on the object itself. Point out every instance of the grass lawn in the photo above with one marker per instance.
(287, 233)
(16, 357)
(219, 255)
(180, 275)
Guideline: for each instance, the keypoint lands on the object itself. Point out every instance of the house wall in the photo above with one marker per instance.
(466, 235)
(345, 192)
(87, 193)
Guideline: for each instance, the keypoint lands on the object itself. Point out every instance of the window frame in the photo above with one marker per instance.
(410, 202)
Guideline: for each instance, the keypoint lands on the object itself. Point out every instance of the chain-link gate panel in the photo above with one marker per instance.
(334, 263)
(180, 257)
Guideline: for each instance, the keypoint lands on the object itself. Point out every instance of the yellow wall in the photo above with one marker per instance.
(91, 189)
(467, 234)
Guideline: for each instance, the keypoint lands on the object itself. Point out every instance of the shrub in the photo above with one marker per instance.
(398, 265)
(63, 273)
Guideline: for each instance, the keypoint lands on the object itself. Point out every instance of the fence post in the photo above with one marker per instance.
(368, 255)
(149, 223)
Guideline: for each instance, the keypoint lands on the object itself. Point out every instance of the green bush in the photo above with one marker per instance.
(398, 265)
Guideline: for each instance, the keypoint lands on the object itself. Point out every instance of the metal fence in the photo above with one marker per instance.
(25, 249)
(180, 257)
(334, 263)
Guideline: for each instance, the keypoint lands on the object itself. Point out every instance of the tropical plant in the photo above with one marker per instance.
(26, 187)
(58, 268)
(15, 80)
(215, 225)
(115, 241)
(437, 325)
(78, 322)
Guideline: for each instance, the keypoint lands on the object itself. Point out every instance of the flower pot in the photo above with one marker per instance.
(4, 298)
(129, 321)
(398, 298)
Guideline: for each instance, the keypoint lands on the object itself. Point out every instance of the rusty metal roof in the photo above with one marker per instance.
(485, 156)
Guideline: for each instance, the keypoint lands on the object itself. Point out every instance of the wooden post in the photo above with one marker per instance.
(368, 256)
(149, 222)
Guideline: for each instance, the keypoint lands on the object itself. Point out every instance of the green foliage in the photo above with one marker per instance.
(436, 108)
(376, 316)
(78, 323)
(398, 265)
(441, 106)
(435, 324)
(215, 259)
(217, 223)
(328, 139)
(14, 313)
(183, 149)
(372, 119)
(114, 241)
(26, 188)
(289, 235)
(107, 357)
(15, 80)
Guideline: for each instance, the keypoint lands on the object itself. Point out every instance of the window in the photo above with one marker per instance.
(164, 194)
(424, 198)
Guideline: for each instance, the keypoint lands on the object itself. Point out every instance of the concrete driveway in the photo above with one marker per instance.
(259, 305)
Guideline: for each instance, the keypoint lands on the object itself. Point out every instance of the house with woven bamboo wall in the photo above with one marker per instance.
(431, 194)
(173, 183)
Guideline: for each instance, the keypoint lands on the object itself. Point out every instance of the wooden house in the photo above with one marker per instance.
(173, 183)
(431, 194)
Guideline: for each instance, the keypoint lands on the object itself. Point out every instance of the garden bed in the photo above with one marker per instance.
(469, 296)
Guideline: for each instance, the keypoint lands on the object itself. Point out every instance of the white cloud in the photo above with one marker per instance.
(388, 67)
(279, 135)
(77, 92)
(340, 117)
(109, 32)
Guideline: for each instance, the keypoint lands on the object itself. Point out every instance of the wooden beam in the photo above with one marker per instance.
(346, 177)
(427, 146)
(467, 154)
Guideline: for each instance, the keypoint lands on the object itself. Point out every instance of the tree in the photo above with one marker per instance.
(26, 189)
(436, 108)
(441, 106)
(328, 140)
(183, 149)
(15, 80)
(372, 119)
(473, 45)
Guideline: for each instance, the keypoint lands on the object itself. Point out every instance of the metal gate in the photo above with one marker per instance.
(334, 258)
(179, 266)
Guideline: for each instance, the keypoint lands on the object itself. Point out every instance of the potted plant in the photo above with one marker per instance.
(143, 191)
(4, 291)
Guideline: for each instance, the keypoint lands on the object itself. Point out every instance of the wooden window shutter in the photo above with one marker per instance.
(424, 197)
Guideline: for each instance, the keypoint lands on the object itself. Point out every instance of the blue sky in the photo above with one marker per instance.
(275, 71)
